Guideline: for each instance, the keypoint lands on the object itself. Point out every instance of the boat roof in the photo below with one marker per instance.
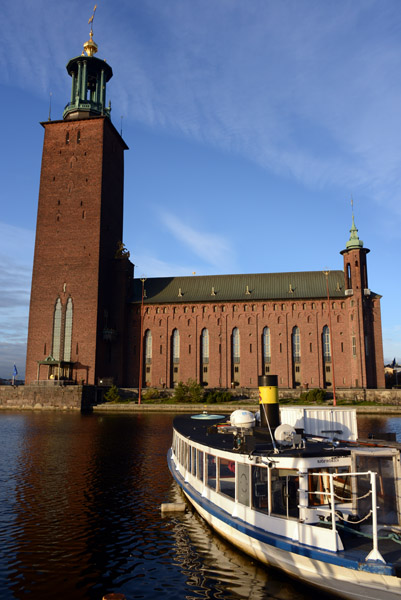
(206, 429)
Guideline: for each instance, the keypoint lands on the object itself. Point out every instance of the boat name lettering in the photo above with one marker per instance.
(328, 460)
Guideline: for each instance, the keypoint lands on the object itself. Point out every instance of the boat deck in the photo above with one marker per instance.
(357, 545)
(205, 431)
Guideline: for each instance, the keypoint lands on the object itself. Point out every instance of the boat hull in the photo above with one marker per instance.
(350, 584)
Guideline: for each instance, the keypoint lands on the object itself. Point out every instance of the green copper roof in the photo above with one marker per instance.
(240, 288)
(354, 241)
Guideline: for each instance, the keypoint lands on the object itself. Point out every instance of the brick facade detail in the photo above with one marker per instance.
(352, 319)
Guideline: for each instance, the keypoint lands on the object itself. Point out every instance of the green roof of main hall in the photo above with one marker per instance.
(235, 288)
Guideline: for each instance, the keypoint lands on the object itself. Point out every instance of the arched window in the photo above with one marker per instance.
(148, 347)
(68, 331)
(205, 346)
(296, 344)
(236, 348)
(326, 344)
(176, 346)
(349, 279)
(57, 330)
(266, 345)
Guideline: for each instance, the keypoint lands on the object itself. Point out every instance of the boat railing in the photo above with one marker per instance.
(374, 554)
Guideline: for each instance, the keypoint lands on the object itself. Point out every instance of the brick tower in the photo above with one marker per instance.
(81, 270)
(366, 366)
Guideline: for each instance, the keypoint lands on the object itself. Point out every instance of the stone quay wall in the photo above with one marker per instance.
(78, 397)
(55, 397)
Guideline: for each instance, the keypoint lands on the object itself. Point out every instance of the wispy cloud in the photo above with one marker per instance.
(308, 90)
(211, 248)
(151, 266)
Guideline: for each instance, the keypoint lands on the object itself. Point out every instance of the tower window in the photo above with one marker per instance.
(67, 137)
(296, 344)
(78, 137)
(68, 330)
(266, 345)
(57, 329)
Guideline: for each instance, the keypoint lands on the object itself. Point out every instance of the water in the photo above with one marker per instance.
(80, 515)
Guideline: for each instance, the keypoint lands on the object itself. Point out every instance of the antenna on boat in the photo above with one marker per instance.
(276, 451)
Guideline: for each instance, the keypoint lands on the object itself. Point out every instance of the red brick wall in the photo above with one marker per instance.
(281, 317)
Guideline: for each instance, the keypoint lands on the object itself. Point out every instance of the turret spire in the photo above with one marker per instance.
(354, 241)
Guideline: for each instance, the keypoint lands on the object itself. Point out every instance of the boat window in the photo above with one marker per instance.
(182, 445)
(259, 489)
(200, 465)
(211, 471)
(227, 477)
(193, 452)
(189, 457)
(243, 483)
(182, 460)
(319, 485)
(285, 493)
(185, 455)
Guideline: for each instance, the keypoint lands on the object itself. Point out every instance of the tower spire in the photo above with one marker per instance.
(90, 46)
(88, 87)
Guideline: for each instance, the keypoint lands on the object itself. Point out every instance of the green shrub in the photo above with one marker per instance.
(314, 396)
(112, 394)
(188, 393)
(151, 394)
(217, 397)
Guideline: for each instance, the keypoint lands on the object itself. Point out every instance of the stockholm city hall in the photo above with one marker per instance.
(92, 322)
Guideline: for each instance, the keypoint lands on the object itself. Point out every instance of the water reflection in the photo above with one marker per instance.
(214, 569)
(377, 424)
(80, 516)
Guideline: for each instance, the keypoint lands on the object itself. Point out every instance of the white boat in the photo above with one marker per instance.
(305, 495)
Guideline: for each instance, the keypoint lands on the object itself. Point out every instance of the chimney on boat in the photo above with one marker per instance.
(268, 401)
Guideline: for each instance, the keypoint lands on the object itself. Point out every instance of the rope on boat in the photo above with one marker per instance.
(326, 492)
(357, 498)
(395, 537)
(340, 516)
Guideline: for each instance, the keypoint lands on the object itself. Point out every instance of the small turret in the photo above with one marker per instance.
(356, 277)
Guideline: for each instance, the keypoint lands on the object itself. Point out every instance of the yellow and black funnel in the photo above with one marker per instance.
(268, 401)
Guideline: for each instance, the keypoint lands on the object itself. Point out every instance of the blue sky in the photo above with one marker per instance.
(250, 123)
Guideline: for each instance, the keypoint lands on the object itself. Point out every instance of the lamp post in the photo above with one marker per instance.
(143, 279)
(326, 273)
